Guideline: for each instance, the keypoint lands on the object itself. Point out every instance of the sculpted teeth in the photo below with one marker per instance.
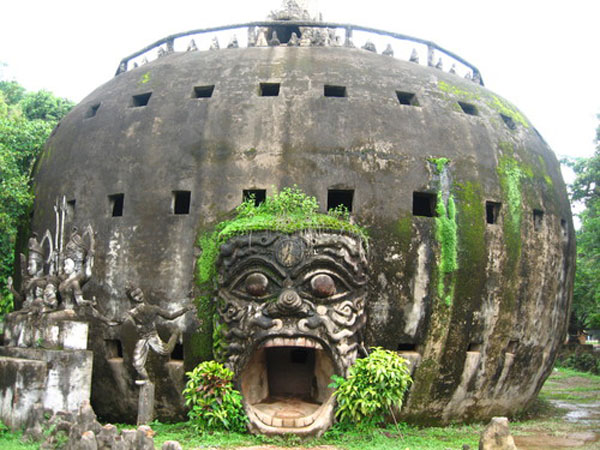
(293, 342)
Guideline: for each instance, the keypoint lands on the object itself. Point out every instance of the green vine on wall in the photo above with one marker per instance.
(446, 235)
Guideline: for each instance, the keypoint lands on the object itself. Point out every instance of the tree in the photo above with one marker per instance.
(586, 189)
(26, 120)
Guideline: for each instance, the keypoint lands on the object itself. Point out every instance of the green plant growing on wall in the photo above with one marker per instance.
(511, 174)
(439, 163)
(214, 403)
(287, 211)
(446, 235)
(373, 390)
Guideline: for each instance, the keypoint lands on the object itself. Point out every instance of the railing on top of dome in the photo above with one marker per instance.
(304, 33)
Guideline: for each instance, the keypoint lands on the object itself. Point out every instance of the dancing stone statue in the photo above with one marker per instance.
(144, 316)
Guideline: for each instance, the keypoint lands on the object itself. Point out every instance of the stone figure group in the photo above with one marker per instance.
(52, 277)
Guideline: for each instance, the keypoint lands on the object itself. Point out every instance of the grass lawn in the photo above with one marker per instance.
(564, 391)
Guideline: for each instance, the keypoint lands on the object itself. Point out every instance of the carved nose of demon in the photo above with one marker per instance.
(288, 303)
(289, 300)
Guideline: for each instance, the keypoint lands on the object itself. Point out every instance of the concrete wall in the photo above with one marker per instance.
(486, 352)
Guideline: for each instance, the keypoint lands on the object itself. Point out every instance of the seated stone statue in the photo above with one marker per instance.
(76, 270)
(32, 267)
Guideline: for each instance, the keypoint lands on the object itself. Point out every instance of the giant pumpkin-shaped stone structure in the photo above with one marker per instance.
(470, 256)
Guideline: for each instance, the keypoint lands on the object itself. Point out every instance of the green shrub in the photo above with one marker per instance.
(374, 388)
(584, 362)
(214, 403)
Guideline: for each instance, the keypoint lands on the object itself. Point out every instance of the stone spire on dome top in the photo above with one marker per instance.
(292, 10)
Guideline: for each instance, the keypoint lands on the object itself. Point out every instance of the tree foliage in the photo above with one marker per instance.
(586, 189)
(26, 120)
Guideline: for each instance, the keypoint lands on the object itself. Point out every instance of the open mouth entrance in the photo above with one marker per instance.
(285, 384)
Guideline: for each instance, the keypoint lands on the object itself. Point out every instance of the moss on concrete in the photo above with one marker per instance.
(404, 233)
(446, 236)
(287, 211)
(493, 101)
(145, 78)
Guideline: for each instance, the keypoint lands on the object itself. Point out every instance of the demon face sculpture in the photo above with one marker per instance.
(290, 315)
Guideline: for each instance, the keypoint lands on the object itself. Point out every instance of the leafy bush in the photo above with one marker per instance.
(374, 388)
(584, 362)
(214, 403)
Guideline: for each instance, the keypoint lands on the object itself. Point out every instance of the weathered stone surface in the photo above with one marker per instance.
(54, 330)
(22, 385)
(59, 379)
(511, 287)
(171, 445)
(82, 431)
(107, 437)
(146, 403)
(496, 436)
(87, 442)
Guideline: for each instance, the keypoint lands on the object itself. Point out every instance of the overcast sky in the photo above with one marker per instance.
(540, 55)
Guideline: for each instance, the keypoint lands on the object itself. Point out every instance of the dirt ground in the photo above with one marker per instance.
(569, 415)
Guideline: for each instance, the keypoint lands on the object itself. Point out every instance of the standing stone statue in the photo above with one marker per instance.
(144, 316)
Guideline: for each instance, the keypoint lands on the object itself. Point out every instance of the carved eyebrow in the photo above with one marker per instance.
(327, 264)
(253, 264)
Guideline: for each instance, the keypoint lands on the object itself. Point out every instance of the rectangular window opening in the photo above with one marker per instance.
(177, 353)
(512, 346)
(269, 89)
(407, 98)
(116, 202)
(564, 228)
(424, 204)
(475, 347)
(492, 212)
(508, 121)
(203, 91)
(405, 347)
(181, 202)
(92, 110)
(468, 108)
(538, 219)
(70, 209)
(337, 197)
(259, 195)
(140, 100)
(114, 348)
(334, 91)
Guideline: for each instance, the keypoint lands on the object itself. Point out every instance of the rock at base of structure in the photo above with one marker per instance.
(171, 445)
(59, 379)
(82, 431)
(496, 436)
(146, 403)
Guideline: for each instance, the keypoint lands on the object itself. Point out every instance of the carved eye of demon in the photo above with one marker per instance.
(322, 285)
(256, 284)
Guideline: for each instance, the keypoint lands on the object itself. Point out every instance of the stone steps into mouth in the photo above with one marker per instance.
(287, 412)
